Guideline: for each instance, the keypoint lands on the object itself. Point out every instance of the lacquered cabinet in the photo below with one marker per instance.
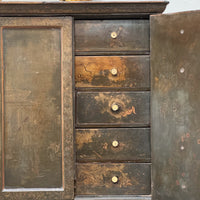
(99, 101)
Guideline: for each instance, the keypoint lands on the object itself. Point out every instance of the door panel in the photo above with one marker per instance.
(36, 102)
(175, 45)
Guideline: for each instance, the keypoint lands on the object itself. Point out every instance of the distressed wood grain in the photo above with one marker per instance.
(90, 9)
(94, 145)
(96, 71)
(175, 106)
(96, 179)
(95, 35)
(37, 123)
(95, 109)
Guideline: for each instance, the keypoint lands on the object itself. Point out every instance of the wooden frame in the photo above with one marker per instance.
(66, 192)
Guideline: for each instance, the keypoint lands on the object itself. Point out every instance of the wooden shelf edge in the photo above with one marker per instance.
(80, 8)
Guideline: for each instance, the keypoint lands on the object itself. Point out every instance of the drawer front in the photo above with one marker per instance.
(112, 71)
(125, 109)
(125, 144)
(113, 179)
(111, 35)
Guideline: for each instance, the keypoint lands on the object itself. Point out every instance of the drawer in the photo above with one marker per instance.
(112, 71)
(113, 179)
(112, 35)
(119, 109)
(122, 144)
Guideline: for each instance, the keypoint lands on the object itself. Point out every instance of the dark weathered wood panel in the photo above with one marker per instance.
(95, 109)
(96, 179)
(82, 9)
(37, 127)
(97, 145)
(32, 108)
(95, 35)
(131, 71)
(175, 106)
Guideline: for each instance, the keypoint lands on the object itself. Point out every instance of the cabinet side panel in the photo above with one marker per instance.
(32, 108)
(175, 48)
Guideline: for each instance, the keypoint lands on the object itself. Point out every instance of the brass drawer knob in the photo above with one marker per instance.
(114, 71)
(115, 179)
(115, 143)
(113, 35)
(115, 107)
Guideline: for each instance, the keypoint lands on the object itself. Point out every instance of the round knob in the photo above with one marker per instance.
(114, 179)
(114, 72)
(114, 35)
(115, 107)
(115, 143)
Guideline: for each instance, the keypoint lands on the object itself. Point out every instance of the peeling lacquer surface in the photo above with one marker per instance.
(96, 179)
(96, 108)
(97, 145)
(131, 71)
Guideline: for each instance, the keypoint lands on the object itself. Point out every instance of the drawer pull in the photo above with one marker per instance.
(114, 72)
(115, 143)
(115, 107)
(114, 35)
(115, 179)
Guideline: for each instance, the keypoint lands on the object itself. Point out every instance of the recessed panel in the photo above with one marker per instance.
(32, 108)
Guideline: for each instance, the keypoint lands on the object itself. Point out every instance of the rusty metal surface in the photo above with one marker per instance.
(175, 45)
(36, 126)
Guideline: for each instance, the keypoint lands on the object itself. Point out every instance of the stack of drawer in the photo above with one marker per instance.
(112, 80)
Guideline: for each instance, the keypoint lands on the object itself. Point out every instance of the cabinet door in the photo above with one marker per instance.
(36, 109)
(175, 58)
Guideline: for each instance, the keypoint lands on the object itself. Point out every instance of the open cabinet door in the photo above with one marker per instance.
(175, 68)
(36, 141)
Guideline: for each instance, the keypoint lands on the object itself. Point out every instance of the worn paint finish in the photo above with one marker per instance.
(32, 111)
(95, 35)
(96, 145)
(95, 109)
(95, 71)
(37, 127)
(96, 179)
(175, 71)
(93, 9)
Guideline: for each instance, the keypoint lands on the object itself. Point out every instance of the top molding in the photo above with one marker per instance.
(83, 8)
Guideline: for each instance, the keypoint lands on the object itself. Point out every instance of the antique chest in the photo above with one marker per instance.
(94, 97)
